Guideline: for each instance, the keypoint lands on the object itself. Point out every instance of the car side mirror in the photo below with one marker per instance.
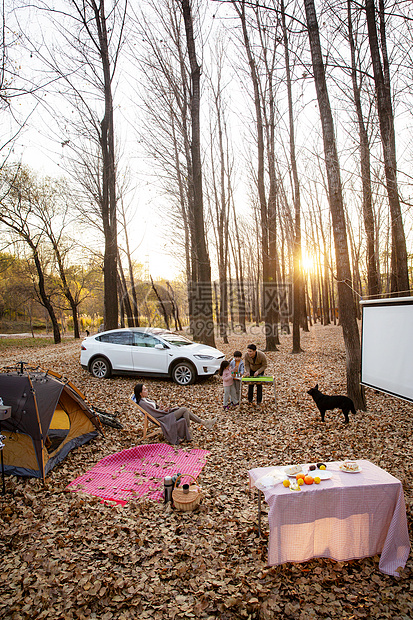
(160, 346)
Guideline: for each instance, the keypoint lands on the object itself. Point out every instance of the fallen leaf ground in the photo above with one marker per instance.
(66, 555)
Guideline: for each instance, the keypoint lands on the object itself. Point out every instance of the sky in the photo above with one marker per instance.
(35, 148)
(40, 147)
(148, 230)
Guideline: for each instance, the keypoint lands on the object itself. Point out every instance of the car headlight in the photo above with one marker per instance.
(204, 357)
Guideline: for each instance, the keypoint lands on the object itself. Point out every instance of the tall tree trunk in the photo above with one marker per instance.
(161, 303)
(270, 297)
(122, 311)
(271, 290)
(66, 289)
(381, 72)
(316, 298)
(364, 148)
(238, 255)
(43, 295)
(202, 288)
(108, 204)
(175, 308)
(134, 301)
(346, 302)
(220, 213)
(308, 303)
(326, 298)
(298, 289)
(183, 189)
(124, 295)
(324, 275)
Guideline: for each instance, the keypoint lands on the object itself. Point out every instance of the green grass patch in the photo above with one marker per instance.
(27, 343)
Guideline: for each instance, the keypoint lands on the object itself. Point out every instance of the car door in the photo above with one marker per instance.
(117, 347)
(149, 354)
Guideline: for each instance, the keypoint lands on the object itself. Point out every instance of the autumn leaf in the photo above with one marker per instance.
(70, 556)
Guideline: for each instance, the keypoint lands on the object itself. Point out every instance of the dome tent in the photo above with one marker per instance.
(49, 417)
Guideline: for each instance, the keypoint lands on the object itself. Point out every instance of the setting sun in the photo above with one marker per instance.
(308, 262)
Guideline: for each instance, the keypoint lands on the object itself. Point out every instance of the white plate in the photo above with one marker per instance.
(323, 474)
(350, 471)
(288, 471)
(296, 473)
(269, 480)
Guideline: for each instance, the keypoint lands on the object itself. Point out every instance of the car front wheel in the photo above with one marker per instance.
(184, 373)
(100, 368)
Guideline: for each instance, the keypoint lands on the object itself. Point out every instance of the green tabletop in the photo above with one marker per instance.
(262, 379)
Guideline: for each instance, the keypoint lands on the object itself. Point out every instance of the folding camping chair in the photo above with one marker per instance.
(147, 418)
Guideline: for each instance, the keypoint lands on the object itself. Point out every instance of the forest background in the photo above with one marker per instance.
(255, 142)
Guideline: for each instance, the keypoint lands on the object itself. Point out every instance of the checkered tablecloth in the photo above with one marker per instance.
(347, 517)
(139, 472)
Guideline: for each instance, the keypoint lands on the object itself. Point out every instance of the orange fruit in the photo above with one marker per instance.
(301, 475)
(309, 480)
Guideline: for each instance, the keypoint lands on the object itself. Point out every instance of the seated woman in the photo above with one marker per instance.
(175, 421)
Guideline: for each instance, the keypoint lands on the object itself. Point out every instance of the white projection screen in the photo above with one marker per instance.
(387, 346)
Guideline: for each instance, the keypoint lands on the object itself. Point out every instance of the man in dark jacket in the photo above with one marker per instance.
(255, 364)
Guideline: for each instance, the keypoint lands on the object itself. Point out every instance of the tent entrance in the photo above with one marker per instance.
(58, 430)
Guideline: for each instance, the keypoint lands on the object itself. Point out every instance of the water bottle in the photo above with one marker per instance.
(175, 478)
(168, 486)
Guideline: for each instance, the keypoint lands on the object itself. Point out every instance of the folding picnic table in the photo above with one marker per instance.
(263, 380)
(343, 518)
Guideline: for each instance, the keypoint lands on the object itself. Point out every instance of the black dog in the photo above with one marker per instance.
(326, 403)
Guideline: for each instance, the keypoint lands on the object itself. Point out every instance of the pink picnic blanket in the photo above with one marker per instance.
(138, 472)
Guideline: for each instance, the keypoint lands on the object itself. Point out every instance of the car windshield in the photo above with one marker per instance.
(176, 339)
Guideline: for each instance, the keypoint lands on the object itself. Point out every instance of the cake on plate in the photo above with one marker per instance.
(292, 469)
(351, 465)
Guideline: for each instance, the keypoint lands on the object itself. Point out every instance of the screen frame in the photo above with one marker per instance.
(380, 384)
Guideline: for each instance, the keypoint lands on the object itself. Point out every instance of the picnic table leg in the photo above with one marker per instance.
(259, 513)
(275, 392)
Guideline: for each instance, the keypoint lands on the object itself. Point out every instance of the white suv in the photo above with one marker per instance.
(148, 352)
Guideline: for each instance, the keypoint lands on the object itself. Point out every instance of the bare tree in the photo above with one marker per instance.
(17, 213)
(203, 324)
(298, 290)
(238, 254)
(364, 147)
(47, 210)
(14, 85)
(381, 72)
(345, 295)
(173, 140)
(219, 192)
(266, 214)
(162, 304)
(164, 126)
(83, 65)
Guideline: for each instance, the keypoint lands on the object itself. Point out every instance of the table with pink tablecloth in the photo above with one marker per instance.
(347, 517)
